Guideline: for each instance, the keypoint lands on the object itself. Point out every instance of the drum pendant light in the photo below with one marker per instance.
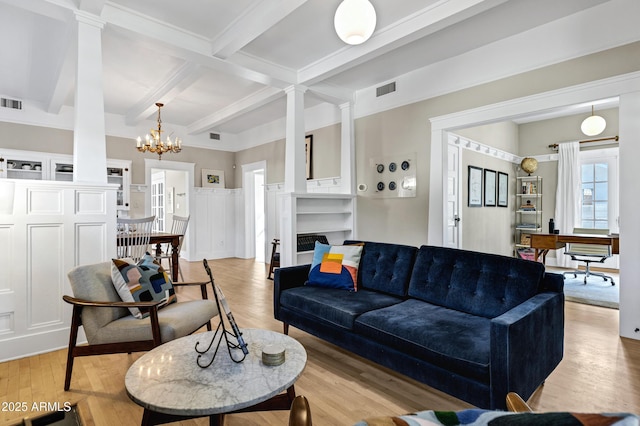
(355, 21)
(593, 125)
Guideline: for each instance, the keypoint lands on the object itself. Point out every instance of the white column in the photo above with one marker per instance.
(89, 141)
(295, 176)
(347, 150)
(437, 188)
(629, 111)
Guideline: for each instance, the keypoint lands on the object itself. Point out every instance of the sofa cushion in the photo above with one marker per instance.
(477, 283)
(386, 267)
(335, 266)
(336, 306)
(449, 339)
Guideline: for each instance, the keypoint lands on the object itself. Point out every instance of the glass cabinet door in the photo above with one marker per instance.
(18, 167)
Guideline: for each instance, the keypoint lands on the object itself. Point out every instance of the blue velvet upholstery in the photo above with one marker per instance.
(446, 338)
(477, 283)
(386, 267)
(337, 306)
(473, 325)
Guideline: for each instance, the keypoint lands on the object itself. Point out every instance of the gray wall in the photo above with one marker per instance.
(401, 130)
(325, 156)
(489, 229)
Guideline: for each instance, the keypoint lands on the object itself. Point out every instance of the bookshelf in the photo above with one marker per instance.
(308, 215)
(528, 210)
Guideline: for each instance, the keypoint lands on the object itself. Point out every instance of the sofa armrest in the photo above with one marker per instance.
(527, 343)
(286, 278)
(552, 282)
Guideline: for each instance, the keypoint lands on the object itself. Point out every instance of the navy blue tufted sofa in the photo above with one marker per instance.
(473, 325)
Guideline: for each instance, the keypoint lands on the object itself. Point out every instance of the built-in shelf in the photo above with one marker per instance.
(529, 193)
(326, 214)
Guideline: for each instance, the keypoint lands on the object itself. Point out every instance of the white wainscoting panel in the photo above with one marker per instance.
(91, 243)
(43, 201)
(54, 227)
(6, 257)
(90, 202)
(45, 274)
(216, 220)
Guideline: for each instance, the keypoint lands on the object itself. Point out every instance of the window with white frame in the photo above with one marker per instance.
(599, 189)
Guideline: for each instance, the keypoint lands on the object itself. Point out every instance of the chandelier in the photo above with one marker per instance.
(153, 142)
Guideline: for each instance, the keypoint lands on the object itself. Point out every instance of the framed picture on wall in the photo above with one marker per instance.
(475, 187)
(308, 149)
(212, 178)
(503, 189)
(489, 188)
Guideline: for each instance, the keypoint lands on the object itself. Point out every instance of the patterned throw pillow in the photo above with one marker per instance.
(335, 266)
(143, 282)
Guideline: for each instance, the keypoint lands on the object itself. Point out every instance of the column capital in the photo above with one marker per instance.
(295, 88)
(346, 105)
(89, 19)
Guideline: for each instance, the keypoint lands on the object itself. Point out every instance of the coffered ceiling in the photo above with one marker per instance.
(222, 66)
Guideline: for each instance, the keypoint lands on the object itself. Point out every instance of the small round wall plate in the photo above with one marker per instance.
(393, 167)
(392, 186)
(380, 168)
(405, 165)
(380, 186)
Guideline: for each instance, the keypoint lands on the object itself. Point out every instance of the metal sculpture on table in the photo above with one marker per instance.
(233, 338)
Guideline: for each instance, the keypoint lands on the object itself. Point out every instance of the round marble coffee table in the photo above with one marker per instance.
(170, 385)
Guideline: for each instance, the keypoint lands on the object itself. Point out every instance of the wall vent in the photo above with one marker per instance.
(386, 89)
(214, 136)
(10, 103)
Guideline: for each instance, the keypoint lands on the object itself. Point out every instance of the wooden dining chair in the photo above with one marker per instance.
(179, 227)
(133, 237)
(275, 257)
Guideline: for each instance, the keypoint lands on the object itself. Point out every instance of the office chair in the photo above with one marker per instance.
(588, 253)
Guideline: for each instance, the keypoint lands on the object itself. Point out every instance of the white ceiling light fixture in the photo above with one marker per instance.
(593, 125)
(355, 21)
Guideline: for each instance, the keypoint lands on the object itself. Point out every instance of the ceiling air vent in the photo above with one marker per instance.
(10, 103)
(214, 136)
(386, 89)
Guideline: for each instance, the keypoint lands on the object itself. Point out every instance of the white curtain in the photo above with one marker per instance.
(567, 194)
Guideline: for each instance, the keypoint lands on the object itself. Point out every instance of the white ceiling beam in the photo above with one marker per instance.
(66, 75)
(180, 43)
(92, 6)
(181, 79)
(257, 18)
(59, 10)
(422, 23)
(243, 106)
(332, 94)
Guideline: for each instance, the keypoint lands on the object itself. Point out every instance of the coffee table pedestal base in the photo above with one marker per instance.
(278, 402)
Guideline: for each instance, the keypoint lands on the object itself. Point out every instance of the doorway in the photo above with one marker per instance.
(169, 186)
(253, 181)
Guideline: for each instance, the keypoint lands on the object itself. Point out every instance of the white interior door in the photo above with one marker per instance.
(452, 231)
(253, 178)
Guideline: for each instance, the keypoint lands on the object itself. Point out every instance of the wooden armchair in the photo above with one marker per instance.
(110, 327)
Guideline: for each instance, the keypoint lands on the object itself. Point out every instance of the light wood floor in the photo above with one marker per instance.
(600, 370)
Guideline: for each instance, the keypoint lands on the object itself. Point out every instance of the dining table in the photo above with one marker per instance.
(159, 238)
